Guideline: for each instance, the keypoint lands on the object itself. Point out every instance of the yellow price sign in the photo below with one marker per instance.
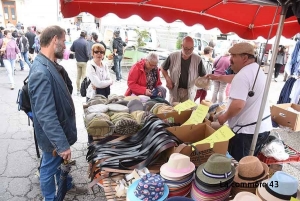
(294, 199)
(198, 115)
(222, 134)
(185, 106)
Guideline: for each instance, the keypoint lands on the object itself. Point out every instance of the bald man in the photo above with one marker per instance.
(180, 70)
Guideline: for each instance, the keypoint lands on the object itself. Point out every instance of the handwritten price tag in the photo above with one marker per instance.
(185, 106)
(294, 199)
(222, 134)
(198, 115)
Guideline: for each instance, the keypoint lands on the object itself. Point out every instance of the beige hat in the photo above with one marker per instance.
(250, 170)
(246, 196)
(242, 48)
(178, 165)
(202, 82)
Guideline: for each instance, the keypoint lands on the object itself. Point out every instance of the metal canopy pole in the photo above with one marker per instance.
(284, 9)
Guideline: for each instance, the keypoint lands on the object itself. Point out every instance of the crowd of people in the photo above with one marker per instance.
(18, 46)
(50, 87)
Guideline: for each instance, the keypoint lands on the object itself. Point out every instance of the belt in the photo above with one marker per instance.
(132, 152)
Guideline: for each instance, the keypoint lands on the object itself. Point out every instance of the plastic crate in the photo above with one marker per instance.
(294, 157)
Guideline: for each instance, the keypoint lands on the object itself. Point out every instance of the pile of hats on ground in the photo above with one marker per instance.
(178, 173)
(213, 179)
(119, 114)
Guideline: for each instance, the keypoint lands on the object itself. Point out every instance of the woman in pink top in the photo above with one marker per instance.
(221, 64)
(10, 50)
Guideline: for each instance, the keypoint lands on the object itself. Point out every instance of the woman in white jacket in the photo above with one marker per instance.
(98, 73)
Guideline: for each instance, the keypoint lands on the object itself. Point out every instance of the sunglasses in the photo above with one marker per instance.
(101, 52)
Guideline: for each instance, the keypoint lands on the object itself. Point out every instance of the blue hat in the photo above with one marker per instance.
(281, 186)
(149, 187)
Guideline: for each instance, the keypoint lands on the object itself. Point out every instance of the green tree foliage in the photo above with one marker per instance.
(142, 35)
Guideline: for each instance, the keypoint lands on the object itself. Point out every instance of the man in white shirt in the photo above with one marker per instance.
(242, 112)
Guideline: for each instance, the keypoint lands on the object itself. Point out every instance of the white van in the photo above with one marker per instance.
(199, 45)
(152, 42)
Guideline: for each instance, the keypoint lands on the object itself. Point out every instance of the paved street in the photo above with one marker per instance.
(18, 180)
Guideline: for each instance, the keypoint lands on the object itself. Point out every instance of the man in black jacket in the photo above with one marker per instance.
(23, 45)
(118, 50)
(80, 47)
(30, 36)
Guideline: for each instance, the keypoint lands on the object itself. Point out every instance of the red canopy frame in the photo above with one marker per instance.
(246, 18)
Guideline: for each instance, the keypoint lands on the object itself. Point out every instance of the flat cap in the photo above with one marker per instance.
(242, 48)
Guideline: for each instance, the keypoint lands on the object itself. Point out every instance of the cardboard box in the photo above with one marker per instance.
(179, 118)
(286, 118)
(195, 133)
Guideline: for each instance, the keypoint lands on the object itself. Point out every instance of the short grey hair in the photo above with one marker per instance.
(152, 56)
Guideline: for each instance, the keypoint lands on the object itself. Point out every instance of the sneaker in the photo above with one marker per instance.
(12, 87)
(78, 93)
(78, 190)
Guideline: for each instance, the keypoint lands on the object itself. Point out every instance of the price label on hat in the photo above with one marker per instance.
(294, 199)
(198, 115)
(185, 106)
(222, 134)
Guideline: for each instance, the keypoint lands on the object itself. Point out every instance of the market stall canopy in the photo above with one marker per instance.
(249, 19)
(283, 41)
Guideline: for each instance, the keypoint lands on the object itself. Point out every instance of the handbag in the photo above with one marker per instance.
(215, 65)
(3, 48)
(229, 71)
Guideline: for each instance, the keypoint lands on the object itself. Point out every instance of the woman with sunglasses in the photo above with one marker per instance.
(98, 73)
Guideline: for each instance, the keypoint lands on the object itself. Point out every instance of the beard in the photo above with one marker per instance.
(187, 55)
(59, 51)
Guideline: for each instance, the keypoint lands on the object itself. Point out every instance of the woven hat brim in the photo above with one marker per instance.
(131, 197)
(237, 179)
(209, 180)
(164, 169)
(262, 193)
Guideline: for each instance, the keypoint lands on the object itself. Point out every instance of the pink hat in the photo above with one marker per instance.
(178, 165)
(241, 196)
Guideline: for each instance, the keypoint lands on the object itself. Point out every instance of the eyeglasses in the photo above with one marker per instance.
(152, 65)
(188, 49)
(101, 52)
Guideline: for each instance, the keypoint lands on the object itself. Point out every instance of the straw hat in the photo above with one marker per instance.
(202, 82)
(206, 102)
(178, 165)
(250, 170)
(246, 196)
(281, 186)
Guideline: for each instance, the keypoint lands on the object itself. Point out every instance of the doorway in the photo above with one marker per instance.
(9, 11)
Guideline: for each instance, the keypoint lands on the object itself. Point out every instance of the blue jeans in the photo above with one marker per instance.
(25, 56)
(50, 168)
(118, 67)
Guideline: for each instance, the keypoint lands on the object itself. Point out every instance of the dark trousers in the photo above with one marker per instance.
(1, 61)
(277, 70)
(240, 144)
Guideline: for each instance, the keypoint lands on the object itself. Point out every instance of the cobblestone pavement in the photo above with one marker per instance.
(19, 163)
